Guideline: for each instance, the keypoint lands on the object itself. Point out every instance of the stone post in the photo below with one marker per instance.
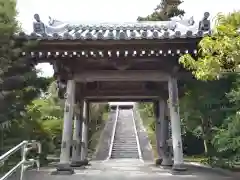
(64, 165)
(175, 124)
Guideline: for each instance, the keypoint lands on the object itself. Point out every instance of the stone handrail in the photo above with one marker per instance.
(137, 137)
(113, 134)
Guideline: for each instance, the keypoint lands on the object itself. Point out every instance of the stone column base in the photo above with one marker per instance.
(63, 169)
(158, 161)
(167, 162)
(79, 163)
(179, 167)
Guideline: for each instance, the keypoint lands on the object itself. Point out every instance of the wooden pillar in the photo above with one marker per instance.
(157, 132)
(164, 135)
(175, 124)
(77, 136)
(64, 165)
(84, 147)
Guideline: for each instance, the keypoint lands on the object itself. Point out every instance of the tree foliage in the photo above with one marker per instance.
(164, 11)
(212, 108)
(19, 83)
(43, 121)
(226, 140)
(218, 53)
(218, 56)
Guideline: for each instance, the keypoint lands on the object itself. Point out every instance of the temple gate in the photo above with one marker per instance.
(116, 62)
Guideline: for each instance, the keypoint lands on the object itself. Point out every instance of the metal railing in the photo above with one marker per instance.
(113, 134)
(25, 147)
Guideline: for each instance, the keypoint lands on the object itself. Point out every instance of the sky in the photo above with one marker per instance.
(109, 11)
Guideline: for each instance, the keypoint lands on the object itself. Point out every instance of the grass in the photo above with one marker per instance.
(152, 137)
(105, 116)
(96, 135)
(198, 159)
(151, 134)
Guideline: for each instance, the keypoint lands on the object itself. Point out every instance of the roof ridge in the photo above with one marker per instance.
(56, 29)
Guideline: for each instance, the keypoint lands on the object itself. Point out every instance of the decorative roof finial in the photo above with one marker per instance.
(51, 20)
(191, 21)
(204, 24)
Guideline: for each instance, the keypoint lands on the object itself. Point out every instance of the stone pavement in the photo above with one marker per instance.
(126, 169)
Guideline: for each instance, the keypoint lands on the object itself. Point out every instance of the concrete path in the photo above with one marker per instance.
(126, 169)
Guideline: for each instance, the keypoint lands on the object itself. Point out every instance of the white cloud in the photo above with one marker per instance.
(109, 11)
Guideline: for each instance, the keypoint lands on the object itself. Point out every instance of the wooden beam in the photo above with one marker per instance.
(114, 93)
(122, 100)
(75, 45)
(128, 59)
(115, 75)
(126, 98)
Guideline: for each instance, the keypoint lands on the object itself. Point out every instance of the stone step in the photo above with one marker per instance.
(125, 156)
(125, 144)
(124, 147)
(123, 153)
(125, 150)
(125, 137)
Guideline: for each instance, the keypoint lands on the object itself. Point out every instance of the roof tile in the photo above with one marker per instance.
(59, 30)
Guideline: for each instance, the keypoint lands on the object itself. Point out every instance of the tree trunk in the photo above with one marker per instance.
(205, 146)
(206, 127)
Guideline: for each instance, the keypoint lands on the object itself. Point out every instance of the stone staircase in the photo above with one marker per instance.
(125, 142)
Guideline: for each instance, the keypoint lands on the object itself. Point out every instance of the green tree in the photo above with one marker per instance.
(219, 56)
(227, 137)
(164, 11)
(19, 83)
(209, 112)
(218, 53)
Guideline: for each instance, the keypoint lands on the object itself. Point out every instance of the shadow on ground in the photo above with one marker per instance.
(127, 169)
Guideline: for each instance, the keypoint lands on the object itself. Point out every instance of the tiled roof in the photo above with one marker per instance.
(58, 30)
